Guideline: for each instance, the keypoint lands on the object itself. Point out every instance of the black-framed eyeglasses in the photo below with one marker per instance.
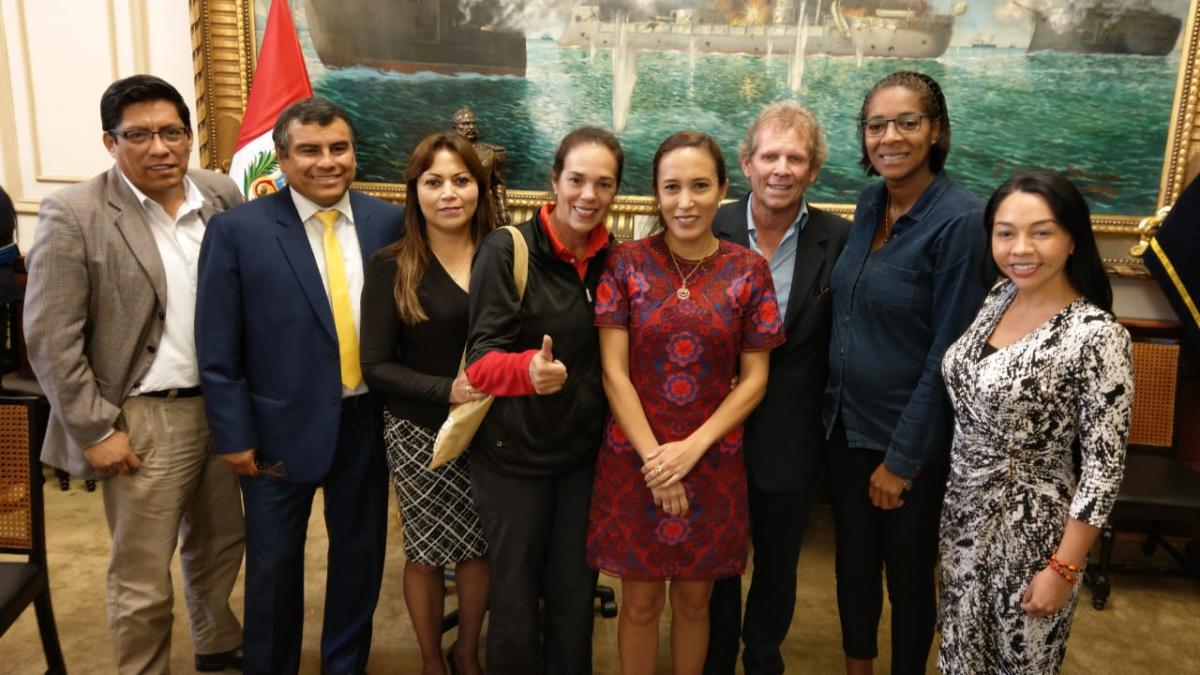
(906, 123)
(137, 136)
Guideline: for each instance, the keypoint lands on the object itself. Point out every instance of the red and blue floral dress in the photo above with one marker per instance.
(683, 356)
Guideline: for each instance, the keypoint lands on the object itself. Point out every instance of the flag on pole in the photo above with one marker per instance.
(280, 79)
(1174, 259)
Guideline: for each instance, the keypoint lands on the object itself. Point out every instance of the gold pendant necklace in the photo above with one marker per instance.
(682, 292)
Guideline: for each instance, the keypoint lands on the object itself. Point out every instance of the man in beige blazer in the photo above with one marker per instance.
(109, 324)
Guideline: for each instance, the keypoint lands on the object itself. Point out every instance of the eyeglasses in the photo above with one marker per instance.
(169, 135)
(906, 123)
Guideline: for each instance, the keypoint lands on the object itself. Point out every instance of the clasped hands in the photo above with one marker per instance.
(664, 468)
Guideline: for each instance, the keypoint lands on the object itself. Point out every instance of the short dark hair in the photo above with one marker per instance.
(933, 104)
(139, 89)
(314, 110)
(587, 136)
(1084, 267)
(689, 139)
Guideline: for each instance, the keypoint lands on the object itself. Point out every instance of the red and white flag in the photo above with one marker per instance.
(280, 80)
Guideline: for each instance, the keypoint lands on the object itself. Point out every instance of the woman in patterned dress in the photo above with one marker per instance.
(1042, 389)
(414, 325)
(681, 314)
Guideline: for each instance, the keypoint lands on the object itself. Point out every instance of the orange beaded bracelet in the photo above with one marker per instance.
(1065, 570)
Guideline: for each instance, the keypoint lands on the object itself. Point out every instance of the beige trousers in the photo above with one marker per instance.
(182, 497)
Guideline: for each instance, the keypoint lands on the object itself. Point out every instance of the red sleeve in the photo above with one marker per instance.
(762, 330)
(502, 373)
(612, 291)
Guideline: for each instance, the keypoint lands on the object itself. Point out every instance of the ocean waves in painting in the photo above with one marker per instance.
(1101, 119)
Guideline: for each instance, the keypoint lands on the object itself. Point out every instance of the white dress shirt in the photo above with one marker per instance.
(347, 237)
(178, 240)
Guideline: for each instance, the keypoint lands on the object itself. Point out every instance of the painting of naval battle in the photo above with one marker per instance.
(1080, 86)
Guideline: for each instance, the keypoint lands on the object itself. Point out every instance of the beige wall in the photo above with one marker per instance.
(57, 56)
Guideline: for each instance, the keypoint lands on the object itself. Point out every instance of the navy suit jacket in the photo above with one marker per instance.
(784, 437)
(265, 340)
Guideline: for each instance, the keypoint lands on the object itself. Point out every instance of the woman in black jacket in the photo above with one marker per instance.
(533, 459)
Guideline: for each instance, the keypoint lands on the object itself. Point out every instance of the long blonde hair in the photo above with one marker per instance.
(411, 250)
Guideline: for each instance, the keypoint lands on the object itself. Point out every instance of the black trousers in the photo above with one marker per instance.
(536, 531)
(901, 541)
(777, 524)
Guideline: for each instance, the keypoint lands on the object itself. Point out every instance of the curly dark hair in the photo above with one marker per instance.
(933, 104)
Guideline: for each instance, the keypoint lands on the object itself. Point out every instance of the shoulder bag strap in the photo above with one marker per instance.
(520, 274)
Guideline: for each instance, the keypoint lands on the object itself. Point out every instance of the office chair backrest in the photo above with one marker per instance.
(1155, 381)
(20, 480)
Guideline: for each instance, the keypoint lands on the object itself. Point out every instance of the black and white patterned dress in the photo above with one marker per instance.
(1012, 482)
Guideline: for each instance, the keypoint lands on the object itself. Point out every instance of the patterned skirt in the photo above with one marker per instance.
(438, 515)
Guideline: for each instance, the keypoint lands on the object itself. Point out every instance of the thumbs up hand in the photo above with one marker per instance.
(547, 374)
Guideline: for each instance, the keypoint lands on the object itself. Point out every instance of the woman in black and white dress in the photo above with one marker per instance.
(1042, 389)
(414, 326)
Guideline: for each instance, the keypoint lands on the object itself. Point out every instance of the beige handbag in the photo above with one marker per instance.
(460, 426)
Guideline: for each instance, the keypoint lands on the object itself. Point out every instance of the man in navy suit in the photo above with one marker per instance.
(781, 155)
(277, 339)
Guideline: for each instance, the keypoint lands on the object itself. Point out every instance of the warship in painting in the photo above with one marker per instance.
(415, 36)
(908, 29)
(1105, 28)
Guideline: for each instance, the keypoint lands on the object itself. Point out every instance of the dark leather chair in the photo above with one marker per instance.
(1159, 490)
(22, 522)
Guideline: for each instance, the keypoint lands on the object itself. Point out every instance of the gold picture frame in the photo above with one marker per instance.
(223, 41)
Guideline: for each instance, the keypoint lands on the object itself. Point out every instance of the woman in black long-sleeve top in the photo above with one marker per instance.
(533, 459)
(414, 325)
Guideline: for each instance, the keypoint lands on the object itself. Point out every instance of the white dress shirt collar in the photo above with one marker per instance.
(192, 199)
(307, 207)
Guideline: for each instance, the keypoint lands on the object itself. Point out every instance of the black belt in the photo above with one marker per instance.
(172, 394)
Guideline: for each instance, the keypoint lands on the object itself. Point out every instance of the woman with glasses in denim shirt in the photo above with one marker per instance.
(907, 284)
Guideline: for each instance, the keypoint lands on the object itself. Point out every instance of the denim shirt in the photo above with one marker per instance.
(894, 313)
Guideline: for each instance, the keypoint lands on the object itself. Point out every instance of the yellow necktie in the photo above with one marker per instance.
(339, 295)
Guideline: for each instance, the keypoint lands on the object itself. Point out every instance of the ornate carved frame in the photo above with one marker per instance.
(223, 51)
